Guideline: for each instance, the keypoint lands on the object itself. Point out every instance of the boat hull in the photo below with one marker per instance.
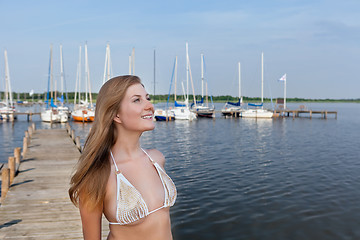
(256, 113)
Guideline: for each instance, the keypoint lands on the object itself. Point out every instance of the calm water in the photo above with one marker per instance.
(255, 179)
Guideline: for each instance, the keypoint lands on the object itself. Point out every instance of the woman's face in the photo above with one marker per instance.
(136, 111)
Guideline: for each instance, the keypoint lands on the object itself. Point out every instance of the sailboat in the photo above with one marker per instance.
(51, 113)
(203, 109)
(7, 108)
(182, 110)
(234, 107)
(83, 109)
(258, 111)
(167, 114)
(63, 110)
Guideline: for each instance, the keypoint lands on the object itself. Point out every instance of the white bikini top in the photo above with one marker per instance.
(130, 205)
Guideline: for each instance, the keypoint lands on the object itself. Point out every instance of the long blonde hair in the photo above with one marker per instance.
(93, 168)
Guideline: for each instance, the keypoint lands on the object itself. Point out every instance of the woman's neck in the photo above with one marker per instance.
(127, 145)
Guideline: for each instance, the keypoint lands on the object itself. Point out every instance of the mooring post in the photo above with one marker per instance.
(77, 143)
(11, 163)
(25, 146)
(30, 131)
(5, 182)
(17, 156)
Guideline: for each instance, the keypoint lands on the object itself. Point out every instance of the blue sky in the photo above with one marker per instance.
(317, 43)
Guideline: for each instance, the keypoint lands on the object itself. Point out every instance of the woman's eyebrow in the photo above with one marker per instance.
(139, 95)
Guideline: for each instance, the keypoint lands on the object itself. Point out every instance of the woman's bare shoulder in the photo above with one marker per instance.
(157, 156)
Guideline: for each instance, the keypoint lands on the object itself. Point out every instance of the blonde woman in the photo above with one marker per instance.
(115, 176)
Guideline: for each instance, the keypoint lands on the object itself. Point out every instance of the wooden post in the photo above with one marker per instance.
(68, 128)
(27, 137)
(33, 126)
(73, 135)
(17, 157)
(77, 143)
(12, 168)
(310, 114)
(25, 146)
(325, 115)
(30, 131)
(5, 182)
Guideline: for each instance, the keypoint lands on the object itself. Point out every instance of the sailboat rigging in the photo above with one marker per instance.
(258, 111)
(7, 108)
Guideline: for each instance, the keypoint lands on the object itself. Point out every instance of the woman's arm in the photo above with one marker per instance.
(91, 222)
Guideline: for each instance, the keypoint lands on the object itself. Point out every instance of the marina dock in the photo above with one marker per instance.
(37, 205)
(11, 116)
(279, 113)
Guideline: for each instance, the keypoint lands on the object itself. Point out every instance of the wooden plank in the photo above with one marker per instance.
(37, 205)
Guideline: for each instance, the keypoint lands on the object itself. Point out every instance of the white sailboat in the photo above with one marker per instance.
(163, 114)
(182, 110)
(203, 109)
(63, 110)
(258, 111)
(83, 109)
(7, 108)
(234, 107)
(50, 113)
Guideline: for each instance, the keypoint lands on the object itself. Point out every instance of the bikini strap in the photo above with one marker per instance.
(112, 156)
(148, 156)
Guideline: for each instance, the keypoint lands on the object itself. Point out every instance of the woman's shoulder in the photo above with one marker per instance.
(157, 156)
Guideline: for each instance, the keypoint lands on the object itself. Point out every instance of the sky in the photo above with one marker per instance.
(315, 42)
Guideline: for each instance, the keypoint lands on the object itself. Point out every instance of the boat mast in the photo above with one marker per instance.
(8, 92)
(285, 92)
(78, 77)
(48, 85)
(154, 75)
(175, 78)
(87, 76)
(262, 77)
(187, 74)
(61, 76)
(51, 75)
(240, 97)
(192, 82)
(202, 76)
(107, 67)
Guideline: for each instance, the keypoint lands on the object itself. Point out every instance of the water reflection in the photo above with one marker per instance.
(260, 179)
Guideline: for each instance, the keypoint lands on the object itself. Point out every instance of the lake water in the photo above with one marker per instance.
(254, 179)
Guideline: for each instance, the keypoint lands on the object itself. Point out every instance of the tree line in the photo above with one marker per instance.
(69, 96)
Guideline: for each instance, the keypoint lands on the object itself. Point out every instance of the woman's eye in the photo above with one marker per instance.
(149, 99)
(137, 100)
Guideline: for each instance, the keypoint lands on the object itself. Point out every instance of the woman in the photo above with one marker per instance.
(115, 176)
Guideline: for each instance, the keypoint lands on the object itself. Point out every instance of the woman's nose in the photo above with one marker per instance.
(149, 106)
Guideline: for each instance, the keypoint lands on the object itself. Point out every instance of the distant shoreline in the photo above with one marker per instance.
(163, 98)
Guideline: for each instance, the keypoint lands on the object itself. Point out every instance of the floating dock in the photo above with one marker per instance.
(37, 205)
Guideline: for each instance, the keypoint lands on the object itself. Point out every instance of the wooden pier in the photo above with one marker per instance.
(279, 113)
(12, 116)
(304, 113)
(37, 205)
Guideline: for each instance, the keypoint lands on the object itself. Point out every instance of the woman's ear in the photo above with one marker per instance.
(117, 118)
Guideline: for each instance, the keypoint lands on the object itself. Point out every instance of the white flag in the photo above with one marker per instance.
(31, 92)
(283, 78)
